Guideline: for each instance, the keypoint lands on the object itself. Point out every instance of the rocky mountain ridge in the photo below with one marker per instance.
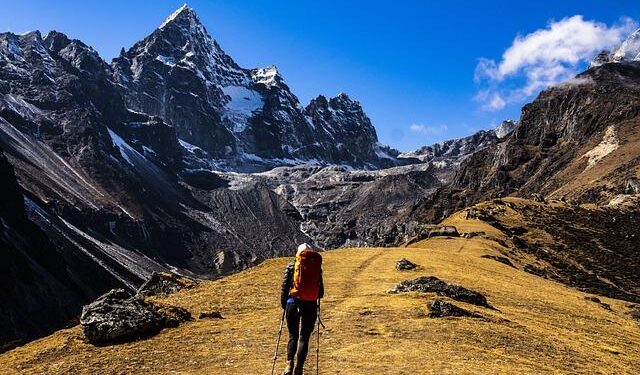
(447, 156)
(247, 119)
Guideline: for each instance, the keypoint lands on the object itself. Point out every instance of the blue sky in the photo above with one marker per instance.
(423, 71)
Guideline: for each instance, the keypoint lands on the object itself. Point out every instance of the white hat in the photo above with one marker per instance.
(305, 246)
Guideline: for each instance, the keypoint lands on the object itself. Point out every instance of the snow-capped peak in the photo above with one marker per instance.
(184, 9)
(630, 48)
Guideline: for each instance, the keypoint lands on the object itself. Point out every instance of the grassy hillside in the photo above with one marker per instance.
(539, 326)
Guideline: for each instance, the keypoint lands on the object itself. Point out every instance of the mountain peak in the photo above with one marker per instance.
(344, 100)
(630, 48)
(185, 12)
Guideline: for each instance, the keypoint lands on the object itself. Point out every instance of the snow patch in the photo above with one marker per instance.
(125, 149)
(243, 99)
(608, 145)
(241, 106)
(170, 61)
(188, 146)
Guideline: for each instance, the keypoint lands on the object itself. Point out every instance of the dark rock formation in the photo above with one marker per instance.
(39, 292)
(172, 316)
(404, 265)
(538, 198)
(164, 283)
(439, 308)
(119, 316)
(435, 231)
(431, 284)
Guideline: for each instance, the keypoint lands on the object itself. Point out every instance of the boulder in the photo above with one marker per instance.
(431, 284)
(118, 316)
(439, 308)
(164, 283)
(404, 264)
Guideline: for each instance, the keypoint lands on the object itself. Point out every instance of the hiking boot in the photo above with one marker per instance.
(289, 369)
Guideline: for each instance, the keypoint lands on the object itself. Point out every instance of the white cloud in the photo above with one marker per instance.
(543, 58)
(428, 130)
(491, 100)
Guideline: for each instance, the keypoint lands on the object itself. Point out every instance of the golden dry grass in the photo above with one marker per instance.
(542, 327)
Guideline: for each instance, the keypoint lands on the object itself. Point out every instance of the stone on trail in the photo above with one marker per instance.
(439, 309)
(404, 264)
(427, 284)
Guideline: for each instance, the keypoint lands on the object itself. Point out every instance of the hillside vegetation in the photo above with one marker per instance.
(538, 326)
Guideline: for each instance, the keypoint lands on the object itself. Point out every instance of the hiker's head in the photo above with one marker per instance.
(306, 246)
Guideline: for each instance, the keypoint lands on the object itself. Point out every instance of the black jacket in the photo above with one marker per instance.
(287, 283)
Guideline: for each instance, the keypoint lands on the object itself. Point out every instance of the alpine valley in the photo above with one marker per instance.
(175, 159)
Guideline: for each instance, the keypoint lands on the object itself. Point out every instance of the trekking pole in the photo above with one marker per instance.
(318, 339)
(275, 356)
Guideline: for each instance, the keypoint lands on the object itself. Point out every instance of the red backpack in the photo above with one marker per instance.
(306, 275)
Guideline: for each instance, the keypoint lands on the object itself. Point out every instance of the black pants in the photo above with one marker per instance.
(301, 317)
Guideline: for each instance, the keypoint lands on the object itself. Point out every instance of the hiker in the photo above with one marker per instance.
(302, 288)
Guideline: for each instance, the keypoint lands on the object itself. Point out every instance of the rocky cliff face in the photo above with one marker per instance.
(39, 294)
(576, 141)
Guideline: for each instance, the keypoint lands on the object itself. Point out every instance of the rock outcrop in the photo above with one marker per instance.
(164, 283)
(119, 316)
(431, 284)
(439, 308)
(405, 264)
